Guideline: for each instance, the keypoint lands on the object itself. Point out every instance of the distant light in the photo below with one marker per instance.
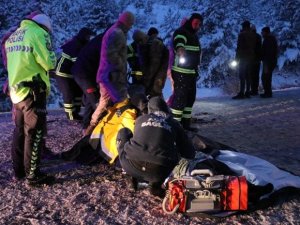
(233, 64)
(181, 60)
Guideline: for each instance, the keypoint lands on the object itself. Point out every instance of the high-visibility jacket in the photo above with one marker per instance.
(104, 136)
(185, 37)
(70, 51)
(29, 53)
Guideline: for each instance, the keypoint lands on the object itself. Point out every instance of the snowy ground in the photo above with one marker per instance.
(268, 128)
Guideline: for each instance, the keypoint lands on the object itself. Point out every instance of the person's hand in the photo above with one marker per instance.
(94, 119)
(172, 83)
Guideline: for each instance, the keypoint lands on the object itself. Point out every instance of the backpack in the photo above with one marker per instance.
(204, 193)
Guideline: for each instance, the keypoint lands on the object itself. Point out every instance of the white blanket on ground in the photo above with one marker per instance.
(258, 171)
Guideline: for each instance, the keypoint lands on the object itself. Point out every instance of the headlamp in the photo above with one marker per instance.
(182, 60)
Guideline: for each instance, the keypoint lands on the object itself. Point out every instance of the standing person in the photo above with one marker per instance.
(153, 58)
(256, 63)
(134, 63)
(185, 69)
(112, 71)
(171, 62)
(71, 92)
(29, 57)
(269, 55)
(245, 54)
(85, 72)
(155, 147)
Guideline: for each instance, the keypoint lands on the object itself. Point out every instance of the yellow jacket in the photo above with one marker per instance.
(104, 136)
(29, 53)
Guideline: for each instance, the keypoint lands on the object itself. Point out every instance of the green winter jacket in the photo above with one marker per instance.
(29, 53)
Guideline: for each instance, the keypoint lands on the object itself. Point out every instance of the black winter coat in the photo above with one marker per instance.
(246, 46)
(158, 139)
(186, 37)
(87, 63)
(269, 51)
(70, 51)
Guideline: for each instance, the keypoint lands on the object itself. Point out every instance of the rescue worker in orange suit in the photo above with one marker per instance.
(187, 51)
(71, 92)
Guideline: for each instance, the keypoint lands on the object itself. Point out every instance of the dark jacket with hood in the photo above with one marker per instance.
(158, 138)
(186, 37)
(70, 51)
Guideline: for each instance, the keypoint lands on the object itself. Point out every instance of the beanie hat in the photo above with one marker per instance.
(127, 18)
(196, 16)
(152, 31)
(84, 32)
(44, 20)
(139, 35)
(246, 24)
(266, 29)
(32, 14)
(157, 104)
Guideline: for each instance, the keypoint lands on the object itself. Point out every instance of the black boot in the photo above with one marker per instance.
(239, 96)
(157, 190)
(186, 124)
(39, 178)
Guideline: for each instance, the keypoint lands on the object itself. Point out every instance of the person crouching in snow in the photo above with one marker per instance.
(155, 147)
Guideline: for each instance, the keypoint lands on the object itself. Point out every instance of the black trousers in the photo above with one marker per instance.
(142, 171)
(245, 76)
(184, 94)
(28, 134)
(71, 93)
(91, 97)
(266, 78)
(255, 77)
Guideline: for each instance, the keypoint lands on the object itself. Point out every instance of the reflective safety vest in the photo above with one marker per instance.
(64, 65)
(29, 53)
(104, 136)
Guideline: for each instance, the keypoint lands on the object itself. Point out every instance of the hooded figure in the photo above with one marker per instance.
(157, 144)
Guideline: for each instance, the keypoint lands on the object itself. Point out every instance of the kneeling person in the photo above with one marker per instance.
(156, 146)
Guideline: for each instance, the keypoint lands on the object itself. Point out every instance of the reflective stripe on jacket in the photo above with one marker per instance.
(29, 53)
(107, 129)
(184, 38)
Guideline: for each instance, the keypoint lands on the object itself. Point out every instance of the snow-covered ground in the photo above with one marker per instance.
(98, 194)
